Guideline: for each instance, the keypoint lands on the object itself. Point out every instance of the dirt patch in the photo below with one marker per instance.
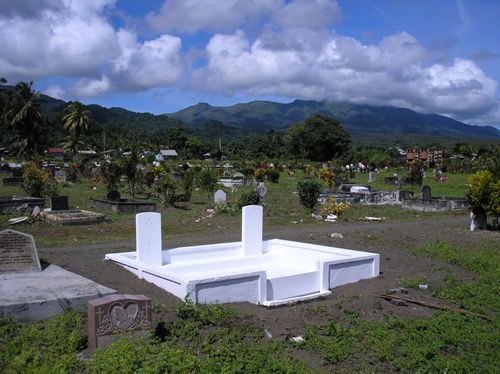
(393, 241)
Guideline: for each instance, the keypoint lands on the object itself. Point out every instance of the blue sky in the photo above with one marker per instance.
(160, 56)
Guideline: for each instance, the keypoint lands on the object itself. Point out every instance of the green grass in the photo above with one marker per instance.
(455, 186)
(215, 338)
(281, 207)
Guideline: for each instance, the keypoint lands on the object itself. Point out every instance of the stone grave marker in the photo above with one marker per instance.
(18, 252)
(426, 193)
(262, 190)
(219, 197)
(251, 230)
(59, 203)
(371, 176)
(148, 238)
(117, 313)
(60, 175)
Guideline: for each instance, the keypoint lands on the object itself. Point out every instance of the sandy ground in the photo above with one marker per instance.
(393, 241)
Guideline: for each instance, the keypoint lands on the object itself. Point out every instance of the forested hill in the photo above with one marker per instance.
(259, 116)
(357, 119)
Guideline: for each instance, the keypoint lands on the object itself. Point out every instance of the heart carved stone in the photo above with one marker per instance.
(123, 316)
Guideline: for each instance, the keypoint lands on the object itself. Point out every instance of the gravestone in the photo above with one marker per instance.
(59, 203)
(219, 197)
(148, 238)
(113, 195)
(251, 230)
(371, 176)
(117, 313)
(262, 190)
(426, 193)
(18, 252)
(60, 175)
(338, 182)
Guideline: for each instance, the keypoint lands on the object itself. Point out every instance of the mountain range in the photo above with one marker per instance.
(260, 116)
(357, 119)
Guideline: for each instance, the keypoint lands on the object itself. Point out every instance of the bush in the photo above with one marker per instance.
(331, 207)
(309, 192)
(260, 173)
(35, 180)
(484, 193)
(273, 175)
(249, 198)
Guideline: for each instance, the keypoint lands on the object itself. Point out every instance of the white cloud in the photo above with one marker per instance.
(73, 39)
(308, 13)
(191, 16)
(342, 68)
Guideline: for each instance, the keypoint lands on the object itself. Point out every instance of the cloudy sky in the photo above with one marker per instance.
(163, 55)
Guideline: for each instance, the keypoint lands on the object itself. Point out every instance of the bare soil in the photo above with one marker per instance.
(393, 241)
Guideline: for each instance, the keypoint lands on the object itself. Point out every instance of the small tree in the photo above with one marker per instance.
(484, 194)
(130, 168)
(207, 180)
(309, 192)
(35, 180)
(187, 183)
(110, 172)
(166, 187)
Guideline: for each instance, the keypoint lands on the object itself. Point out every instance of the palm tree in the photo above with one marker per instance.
(76, 120)
(25, 117)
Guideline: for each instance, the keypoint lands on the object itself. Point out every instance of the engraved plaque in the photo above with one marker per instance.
(18, 252)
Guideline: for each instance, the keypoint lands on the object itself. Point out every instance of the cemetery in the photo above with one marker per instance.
(261, 262)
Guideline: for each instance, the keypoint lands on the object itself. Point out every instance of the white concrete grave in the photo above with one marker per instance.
(271, 272)
(219, 197)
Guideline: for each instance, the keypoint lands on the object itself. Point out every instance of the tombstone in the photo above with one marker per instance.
(59, 203)
(251, 230)
(60, 175)
(113, 195)
(18, 252)
(117, 313)
(371, 176)
(338, 181)
(426, 193)
(262, 190)
(148, 238)
(219, 197)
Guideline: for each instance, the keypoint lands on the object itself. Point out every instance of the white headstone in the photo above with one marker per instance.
(251, 230)
(219, 197)
(148, 238)
(18, 252)
(371, 176)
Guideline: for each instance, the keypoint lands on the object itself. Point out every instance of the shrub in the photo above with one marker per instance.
(331, 207)
(165, 187)
(35, 180)
(273, 175)
(309, 192)
(484, 193)
(222, 208)
(260, 173)
(249, 198)
(327, 176)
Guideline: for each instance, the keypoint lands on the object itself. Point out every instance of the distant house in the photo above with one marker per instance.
(166, 154)
(57, 153)
(429, 157)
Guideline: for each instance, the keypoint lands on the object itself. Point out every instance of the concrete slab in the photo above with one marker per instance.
(44, 294)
